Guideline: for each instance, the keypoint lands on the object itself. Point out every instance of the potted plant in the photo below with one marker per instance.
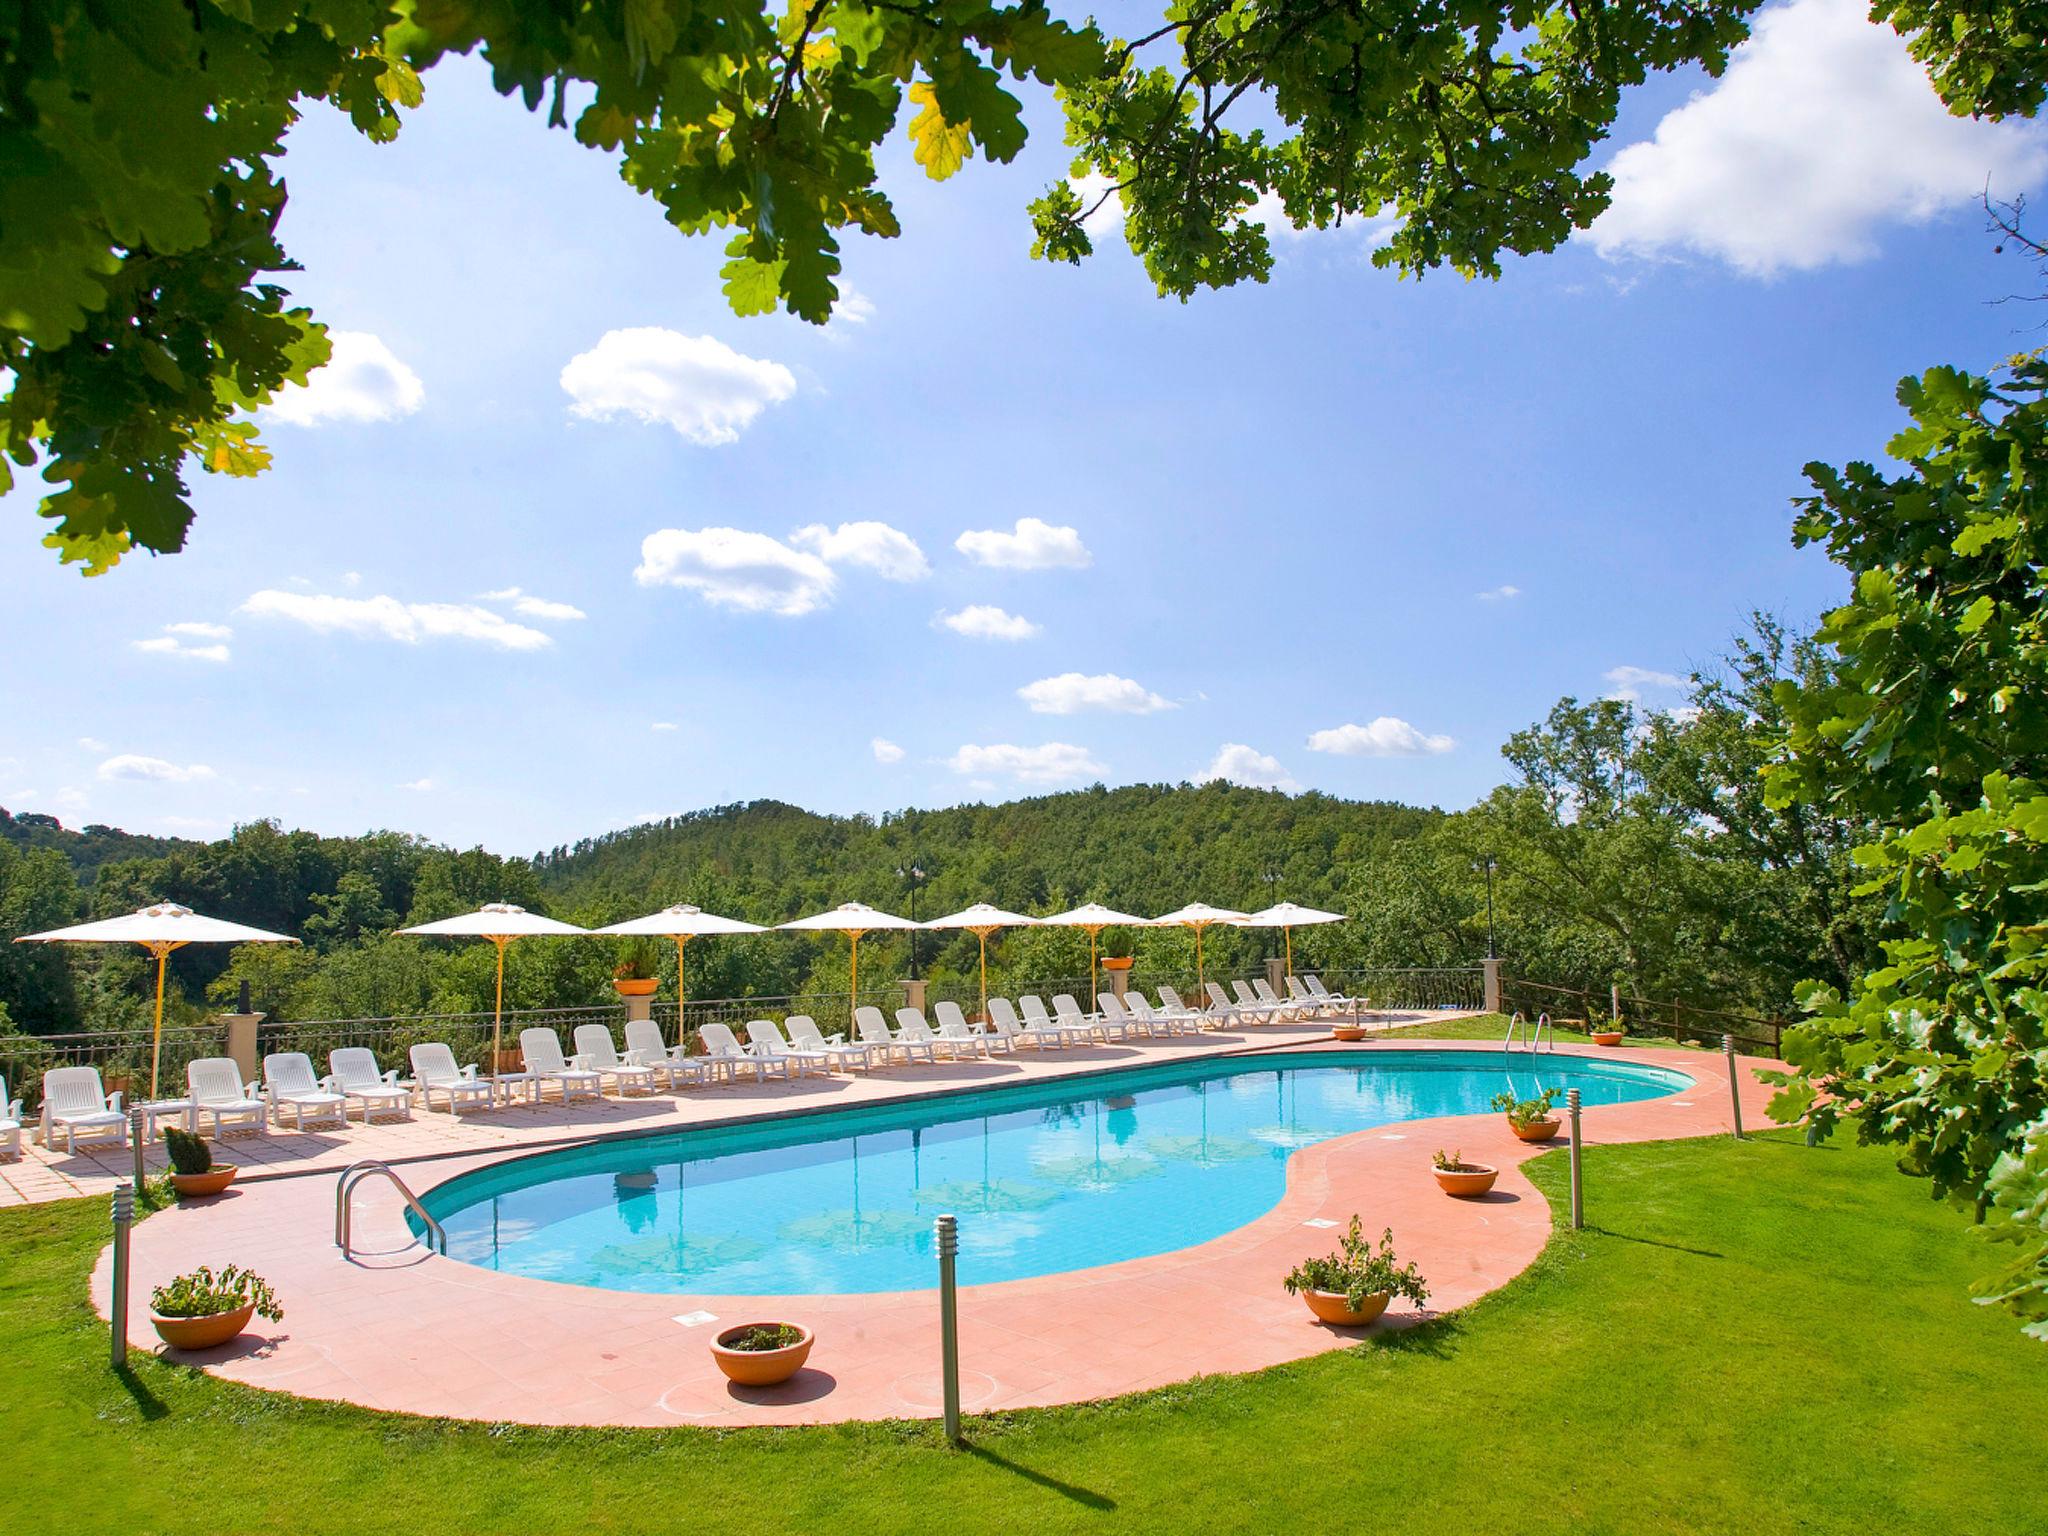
(1118, 962)
(762, 1354)
(202, 1309)
(193, 1170)
(1529, 1119)
(1607, 1032)
(1455, 1176)
(1352, 1286)
(634, 976)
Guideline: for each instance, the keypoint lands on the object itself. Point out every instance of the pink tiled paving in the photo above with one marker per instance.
(404, 1330)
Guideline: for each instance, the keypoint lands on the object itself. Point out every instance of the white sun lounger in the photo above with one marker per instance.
(1003, 1022)
(1307, 1000)
(598, 1051)
(805, 1035)
(75, 1103)
(953, 1026)
(434, 1069)
(1251, 1006)
(1038, 1020)
(1283, 1008)
(541, 1049)
(874, 1030)
(1176, 1021)
(645, 1046)
(10, 1123)
(765, 1038)
(289, 1083)
(914, 1029)
(725, 1052)
(353, 1071)
(1117, 1021)
(215, 1086)
(1339, 1000)
(1074, 1021)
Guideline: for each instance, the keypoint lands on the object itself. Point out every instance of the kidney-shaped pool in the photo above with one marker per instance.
(1044, 1177)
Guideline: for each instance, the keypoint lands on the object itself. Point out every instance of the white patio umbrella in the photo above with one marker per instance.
(501, 923)
(1198, 915)
(682, 923)
(852, 918)
(1288, 917)
(981, 920)
(1094, 917)
(158, 929)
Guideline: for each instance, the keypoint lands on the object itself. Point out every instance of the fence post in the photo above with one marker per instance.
(1734, 1086)
(1613, 1003)
(1571, 1102)
(1490, 985)
(947, 1230)
(124, 1218)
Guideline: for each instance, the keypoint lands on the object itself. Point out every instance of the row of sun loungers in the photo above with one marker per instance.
(75, 1103)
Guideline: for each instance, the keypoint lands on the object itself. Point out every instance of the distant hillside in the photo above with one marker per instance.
(86, 849)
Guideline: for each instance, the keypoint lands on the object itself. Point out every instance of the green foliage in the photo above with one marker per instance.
(202, 1293)
(1526, 1112)
(1357, 1271)
(763, 1336)
(1934, 730)
(1454, 1162)
(188, 1153)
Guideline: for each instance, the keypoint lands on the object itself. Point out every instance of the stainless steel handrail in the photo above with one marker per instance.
(1519, 1025)
(345, 1188)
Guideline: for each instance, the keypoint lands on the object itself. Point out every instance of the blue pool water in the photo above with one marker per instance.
(1044, 1178)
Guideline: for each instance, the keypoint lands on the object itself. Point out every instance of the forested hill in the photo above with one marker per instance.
(86, 849)
(1145, 848)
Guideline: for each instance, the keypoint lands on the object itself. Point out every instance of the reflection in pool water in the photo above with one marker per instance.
(1045, 1178)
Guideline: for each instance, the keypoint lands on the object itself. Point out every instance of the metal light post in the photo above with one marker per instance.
(1734, 1086)
(916, 876)
(1489, 864)
(124, 1218)
(1571, 1100)
(947, 1231)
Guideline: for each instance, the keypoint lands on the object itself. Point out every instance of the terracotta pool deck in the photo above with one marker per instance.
(404, 1330)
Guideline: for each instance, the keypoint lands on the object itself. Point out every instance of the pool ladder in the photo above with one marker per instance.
(1536, 1037)
(344, 1201)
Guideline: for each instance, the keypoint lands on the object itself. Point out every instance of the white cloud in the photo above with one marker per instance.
(1056, 762)
(1821, 130)
(1384, 737)
(1034, 545)
(853, 308)
(526, 604)
(1106, 221)
(984, 621)
(1684, 714)
(198, 631)
(351, 578)
(664, 725)
(190, 823)
(92, 744)
(737, 569)
(130, 765)
(420, 785)
(697, 385)
(1370, 231)
(363, 381)
(1072, 692)
(175, 641)
(1500, 593)
(386, 618)
(70, 798)
(889, 552)
(886, 751)
(1241, 764)
(1629, 682)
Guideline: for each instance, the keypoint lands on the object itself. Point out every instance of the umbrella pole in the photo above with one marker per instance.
(682, 993)
(853, 979)
(982, 934)
(1201, 976)
(1288, 934)
(156, 1042)
(1093, 935)
(498, 1010)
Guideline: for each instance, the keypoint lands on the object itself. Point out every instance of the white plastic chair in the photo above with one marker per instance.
(541, 1049)
(1222, 1009)
(953, 1025)
(1081, 1025)
(765, 1039)
(1251, 1006)
(1339, 1000)
(645, 1045)
(1116, 1021)
(353, 1071)
(805, 1034)
(722, 1047)
(914, 1030)
(595, 1048)
(10, 1123)
(74, 1101)
(1043, 1023)
(1307, 1000)
(433, 1067)
(215, 1086)
(874, 1031)
(288, 1082)
(1002, 1018)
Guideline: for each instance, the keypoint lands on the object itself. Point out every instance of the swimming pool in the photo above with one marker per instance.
(1045, 1178)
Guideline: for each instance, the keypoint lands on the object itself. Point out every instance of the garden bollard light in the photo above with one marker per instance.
(124, 1218)
(135, 1141)
(1734, 1087)
(1571, 1104)
(947, 1230)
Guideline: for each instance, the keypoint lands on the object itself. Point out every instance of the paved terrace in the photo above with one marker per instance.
(409, 1331)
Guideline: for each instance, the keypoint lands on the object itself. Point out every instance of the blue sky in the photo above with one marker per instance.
(1271, 514)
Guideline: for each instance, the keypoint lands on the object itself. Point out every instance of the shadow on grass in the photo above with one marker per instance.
(1435, 1339)
(1654, 1242)
(1084, 1496)
(147, 1403)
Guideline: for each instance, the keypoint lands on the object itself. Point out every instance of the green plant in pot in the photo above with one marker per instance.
(1457, 1177)
(201, 1310)
(1352, 1286)
(762, 1354)
(635, 974)
(1530, 1118)
(193, 1170)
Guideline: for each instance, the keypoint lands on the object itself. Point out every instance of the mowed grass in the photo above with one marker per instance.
(1754, 1338)
(1494, 1027)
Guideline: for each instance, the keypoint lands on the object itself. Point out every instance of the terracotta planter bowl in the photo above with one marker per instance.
(761, 1367)
(212, 1182)
(1348, 1032)
(642, 988)
(202, 1332)
(1536, 1130)
(1334, 1308)
(1608, 1036)
(1473, 1179)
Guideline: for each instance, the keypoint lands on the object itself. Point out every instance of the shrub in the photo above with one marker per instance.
(189, 1153)
(1525, 1111)
(1454, 1162)
(202, 1293)
(1356, 1271)
(763, 1336)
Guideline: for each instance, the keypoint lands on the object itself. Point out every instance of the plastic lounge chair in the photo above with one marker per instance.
(542, 1051)
(1036, 1018)
(805, 1035)
(10, 1123)
(953, 1025)
(353, 1071)
(1170, 1002)
(75, 1102)
(1164, 1022)
(645, 1045)
(729, 1056)
(1311, 1005)
(873, 1030)
(1283, 1008)
(1117, 1021)
(765, 1038)
(1250, 1005)
(289, 1083)
(596, 1049)
(1339, 1000)
(216, 1088)
(1003, 1021)
(914, 1029)
(434, 1069)
(1083, 1026)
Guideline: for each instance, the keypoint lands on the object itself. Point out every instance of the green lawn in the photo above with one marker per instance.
(1494, 1027)
(1756, 1338)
